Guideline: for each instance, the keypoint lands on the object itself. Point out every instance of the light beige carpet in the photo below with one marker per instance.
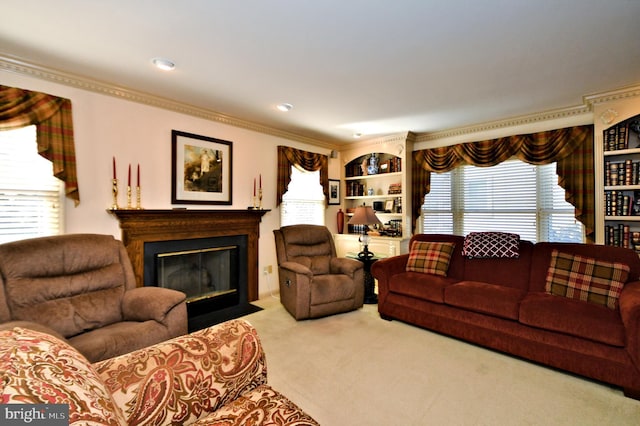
(357, 369)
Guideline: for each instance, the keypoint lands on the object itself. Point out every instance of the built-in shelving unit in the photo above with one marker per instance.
(617, 168)
(377, 174)
(621, 180)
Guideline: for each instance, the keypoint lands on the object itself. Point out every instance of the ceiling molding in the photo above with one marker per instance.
(507, 122)
(612, 95)
(19, 66)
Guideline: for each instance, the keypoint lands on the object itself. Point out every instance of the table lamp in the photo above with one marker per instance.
(364, 215)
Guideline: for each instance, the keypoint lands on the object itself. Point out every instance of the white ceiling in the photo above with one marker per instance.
(369, 66)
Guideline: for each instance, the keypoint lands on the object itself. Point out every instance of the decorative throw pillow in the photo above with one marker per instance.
(430, 257)
(586, 279)
(491, 244)
(37, 368)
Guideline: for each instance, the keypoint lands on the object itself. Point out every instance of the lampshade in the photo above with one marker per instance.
(364, 215)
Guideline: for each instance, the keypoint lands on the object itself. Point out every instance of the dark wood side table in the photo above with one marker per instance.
(370, 296)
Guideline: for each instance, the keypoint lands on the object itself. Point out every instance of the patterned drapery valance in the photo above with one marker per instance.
(54, 129)
(571, 148)
(305, 160)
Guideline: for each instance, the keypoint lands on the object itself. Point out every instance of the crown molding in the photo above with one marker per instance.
(555, 114)
(612, 95)
(19, 66)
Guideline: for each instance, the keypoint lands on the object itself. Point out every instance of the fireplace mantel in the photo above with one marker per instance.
(141, 226)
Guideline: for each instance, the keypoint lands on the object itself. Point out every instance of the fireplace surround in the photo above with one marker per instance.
(211, 245)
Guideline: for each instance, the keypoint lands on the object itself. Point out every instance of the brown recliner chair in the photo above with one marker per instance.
(81, 287)
(313, 281)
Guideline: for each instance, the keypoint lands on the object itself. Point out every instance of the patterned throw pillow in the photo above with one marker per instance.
(586, 279)
(37, 368)
(430, 257)
(491, 244)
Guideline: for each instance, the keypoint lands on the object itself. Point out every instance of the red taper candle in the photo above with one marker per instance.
(129, 179)
(114, 167)
(260, 180)
(254, 187)
(138, 175)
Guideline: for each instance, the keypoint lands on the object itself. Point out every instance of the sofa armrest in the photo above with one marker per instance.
(384, 269)
(30, 325)
(145, 303)
(296, 268)
(629, 303)
(343, 265)
(181, 380)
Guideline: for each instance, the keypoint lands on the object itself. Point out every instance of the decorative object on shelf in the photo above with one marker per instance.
(372, 169)
(334, 192)
(340, 221)
(370, 191)
(138, 193)
(200, 169)
(388, 208)
(395, 188)
(257, 199)
(364, 215)
(129, 188)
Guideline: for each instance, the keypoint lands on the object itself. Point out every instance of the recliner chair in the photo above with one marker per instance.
(81, 287)
(313, 281)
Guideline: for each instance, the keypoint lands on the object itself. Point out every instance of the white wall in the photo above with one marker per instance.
(107, 126)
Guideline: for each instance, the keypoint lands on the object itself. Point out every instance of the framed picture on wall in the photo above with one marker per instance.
(200, 169)
(334, 192)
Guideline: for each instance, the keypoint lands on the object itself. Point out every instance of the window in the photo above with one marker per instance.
(304, 201)
(31, 198)
(512, 196)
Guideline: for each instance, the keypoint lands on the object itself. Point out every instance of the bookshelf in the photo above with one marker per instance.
(381, 183)
(621, 183)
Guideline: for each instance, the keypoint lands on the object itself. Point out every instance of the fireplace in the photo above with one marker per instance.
(210, 255)
(212, 272)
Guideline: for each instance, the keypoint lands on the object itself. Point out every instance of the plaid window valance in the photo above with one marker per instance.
(54, 129)
(571, 148)
(305, 160)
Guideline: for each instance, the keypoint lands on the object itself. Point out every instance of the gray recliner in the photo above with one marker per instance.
(313, 281)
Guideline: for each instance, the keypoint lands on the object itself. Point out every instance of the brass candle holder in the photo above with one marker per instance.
(114, 192)
(138, 198)
(260, 199)
(129, 196)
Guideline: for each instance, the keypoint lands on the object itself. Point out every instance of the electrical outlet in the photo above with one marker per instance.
(268, 269)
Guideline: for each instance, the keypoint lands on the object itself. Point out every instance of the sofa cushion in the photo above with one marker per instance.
(585, 278)
(569, 316)
(485, 298)
(430, 257)
(37, 368)
(422, 286)
(491, 244)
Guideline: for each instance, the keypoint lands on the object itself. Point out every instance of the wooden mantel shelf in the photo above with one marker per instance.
(141, 226)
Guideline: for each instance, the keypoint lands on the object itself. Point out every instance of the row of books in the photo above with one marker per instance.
(622, 173)
(621, 236)
(619, 203)
(355, 169)
(616, 137)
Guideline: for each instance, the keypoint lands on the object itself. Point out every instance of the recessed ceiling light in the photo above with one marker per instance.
(285, 107)
(163, 64)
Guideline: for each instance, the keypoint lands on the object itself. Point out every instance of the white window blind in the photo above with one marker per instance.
(304, 202)
(512, 196)
(30, 197)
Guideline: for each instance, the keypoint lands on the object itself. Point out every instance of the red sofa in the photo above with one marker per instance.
(501, 303)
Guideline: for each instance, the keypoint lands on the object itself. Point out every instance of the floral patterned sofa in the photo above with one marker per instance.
(215, 376)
